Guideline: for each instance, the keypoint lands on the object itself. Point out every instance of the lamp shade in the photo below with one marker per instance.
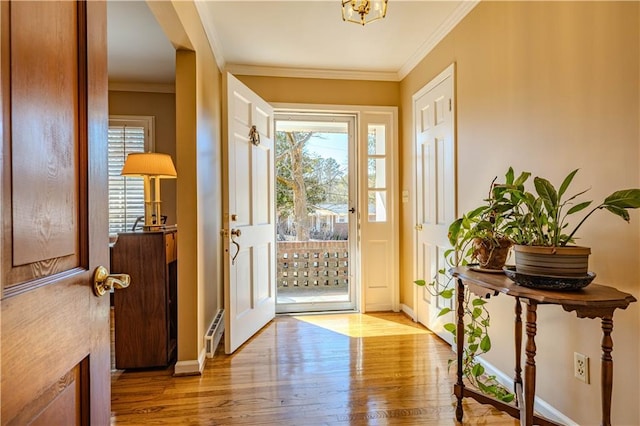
(149, 164)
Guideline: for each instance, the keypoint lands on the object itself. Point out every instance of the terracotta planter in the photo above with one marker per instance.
(552, 261)
(490, 257)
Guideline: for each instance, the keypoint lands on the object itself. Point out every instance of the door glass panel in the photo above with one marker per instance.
(313, 212)
(377, 142)
(377, 173)
(377, 206)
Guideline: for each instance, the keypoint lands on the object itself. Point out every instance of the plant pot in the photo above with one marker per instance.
(489, 255)
(570, 261)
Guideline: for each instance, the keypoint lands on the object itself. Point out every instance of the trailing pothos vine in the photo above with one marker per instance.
(486, 224)
(477, 340)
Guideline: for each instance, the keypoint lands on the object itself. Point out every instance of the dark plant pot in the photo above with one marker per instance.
(490, 256)
(552, 261)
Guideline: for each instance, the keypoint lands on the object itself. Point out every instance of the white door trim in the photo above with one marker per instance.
(360, 112)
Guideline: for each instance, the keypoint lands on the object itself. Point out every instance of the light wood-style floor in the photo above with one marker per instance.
(337, 369)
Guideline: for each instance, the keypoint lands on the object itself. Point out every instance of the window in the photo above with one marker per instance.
(126, 194)
(377, 168)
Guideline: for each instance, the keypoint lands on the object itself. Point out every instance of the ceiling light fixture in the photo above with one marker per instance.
(363, 11)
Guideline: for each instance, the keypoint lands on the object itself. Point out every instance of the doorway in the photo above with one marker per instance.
(434, 136)
(316, 222)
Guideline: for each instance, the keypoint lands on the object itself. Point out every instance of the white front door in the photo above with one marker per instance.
(433, 110)
(249, 218)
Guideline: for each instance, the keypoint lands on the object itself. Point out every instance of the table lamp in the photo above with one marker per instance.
(150, 165)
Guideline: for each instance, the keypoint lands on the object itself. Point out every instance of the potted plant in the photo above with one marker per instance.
(538, 223)
(483, 235)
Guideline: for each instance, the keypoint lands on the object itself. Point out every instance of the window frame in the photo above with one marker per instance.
(148, 123)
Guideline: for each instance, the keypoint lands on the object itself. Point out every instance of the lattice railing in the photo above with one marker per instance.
(313, 264)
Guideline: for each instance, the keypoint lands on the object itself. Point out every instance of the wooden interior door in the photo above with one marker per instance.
(434, 125)
(249, 213)
(54, 331)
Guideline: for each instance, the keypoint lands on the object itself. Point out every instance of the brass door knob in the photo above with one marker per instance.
(103, 282)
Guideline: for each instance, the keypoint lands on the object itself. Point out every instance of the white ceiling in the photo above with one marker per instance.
(285, 38)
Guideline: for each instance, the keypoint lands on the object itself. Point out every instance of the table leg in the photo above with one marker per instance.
(530, 366)
(517, 379)
(607, 370)
(460, 345)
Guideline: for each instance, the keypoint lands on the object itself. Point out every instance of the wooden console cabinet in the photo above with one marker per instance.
(145, 313)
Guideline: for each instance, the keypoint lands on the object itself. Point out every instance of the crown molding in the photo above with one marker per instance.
(212, 36)
(143, 87)
(239, 69)
(445, 28)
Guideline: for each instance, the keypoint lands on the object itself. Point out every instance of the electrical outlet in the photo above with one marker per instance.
(581, 367)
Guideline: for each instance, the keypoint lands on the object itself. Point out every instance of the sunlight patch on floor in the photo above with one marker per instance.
(361, 325)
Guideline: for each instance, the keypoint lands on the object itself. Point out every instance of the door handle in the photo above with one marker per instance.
(103, 282)
(235, 233)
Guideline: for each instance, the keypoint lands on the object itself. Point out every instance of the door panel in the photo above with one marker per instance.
(316, 212)
(249, 214)
(55, 332)
(436, 196)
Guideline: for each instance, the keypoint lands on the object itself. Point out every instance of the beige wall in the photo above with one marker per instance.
(198, 118)
(162, 106)
(549, 87)
(327, 92)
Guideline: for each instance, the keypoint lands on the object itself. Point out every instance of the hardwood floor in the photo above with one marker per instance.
(339, 369)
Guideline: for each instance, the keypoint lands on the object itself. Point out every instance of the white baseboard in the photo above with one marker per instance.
(379, 307)
(407, 310)
(540, 406)
(191, 367)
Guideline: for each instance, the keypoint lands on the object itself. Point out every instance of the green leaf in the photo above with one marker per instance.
(477, 370)
(623, 213)
(447, 294)
(509, 176)
(473, 348)
(476, 313)
(421, 283)
(579, 207)
(476, 212)
(522, 178)
(507, 398)
(485, 343)
(625, 199)
(478, 302)
(454, 231)
(444, 311)
(566, 183)
(484, 388)
(547, 193)
(450, 327)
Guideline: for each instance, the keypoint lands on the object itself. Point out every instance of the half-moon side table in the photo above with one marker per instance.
(593, 301)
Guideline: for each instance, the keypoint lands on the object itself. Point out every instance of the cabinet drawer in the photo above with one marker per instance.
(171, 246)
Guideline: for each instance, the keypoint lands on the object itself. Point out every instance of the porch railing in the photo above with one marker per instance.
(313, 264)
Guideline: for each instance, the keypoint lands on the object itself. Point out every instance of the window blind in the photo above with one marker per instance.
(126, 194)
